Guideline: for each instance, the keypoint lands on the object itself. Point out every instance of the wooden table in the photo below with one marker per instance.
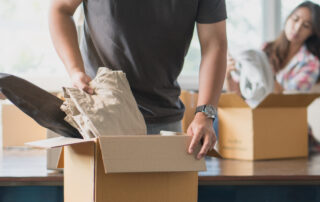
(301, 171)
(25, 166)
(225, 180)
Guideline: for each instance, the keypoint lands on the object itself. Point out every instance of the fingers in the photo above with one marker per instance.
(231, 65)
(84, 86)
(208, 144)
(230, 58)
(88, 89)
(81, 80)
(231, 68)
(197, 135)
(202, 132)
(189, 131)
(205, 147)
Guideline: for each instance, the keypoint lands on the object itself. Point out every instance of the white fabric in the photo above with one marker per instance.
(111, 110)
(256, 79)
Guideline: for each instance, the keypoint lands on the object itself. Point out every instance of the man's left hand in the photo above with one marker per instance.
(201, 130)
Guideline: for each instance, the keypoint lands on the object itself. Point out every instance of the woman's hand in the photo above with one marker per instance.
(81, 80)
(231, 85)
(231, 66)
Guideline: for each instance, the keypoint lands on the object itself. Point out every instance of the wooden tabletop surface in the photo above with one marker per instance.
(25, 166)
(282, 171)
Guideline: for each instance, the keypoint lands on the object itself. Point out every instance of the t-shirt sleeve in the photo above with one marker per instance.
(211, 11)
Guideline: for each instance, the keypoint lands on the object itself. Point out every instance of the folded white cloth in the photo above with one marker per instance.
(256, 78)
(111, 110)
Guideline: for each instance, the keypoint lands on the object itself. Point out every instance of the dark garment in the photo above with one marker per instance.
(148, 40)
(40, 105)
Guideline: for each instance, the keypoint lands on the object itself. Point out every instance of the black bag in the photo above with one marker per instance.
(37, 103)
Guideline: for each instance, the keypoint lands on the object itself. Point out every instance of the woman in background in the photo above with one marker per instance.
(294, 55)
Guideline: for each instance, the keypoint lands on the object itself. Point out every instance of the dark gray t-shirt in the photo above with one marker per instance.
(148, 40)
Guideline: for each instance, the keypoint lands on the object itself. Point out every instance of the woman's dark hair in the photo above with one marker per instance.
(277, 50)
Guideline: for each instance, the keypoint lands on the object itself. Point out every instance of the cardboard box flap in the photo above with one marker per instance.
(152, 153)
(288, 100)
(57, 142)
(231, 100)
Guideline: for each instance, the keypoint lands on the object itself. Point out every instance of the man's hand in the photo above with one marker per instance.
(201, 130)
(81, 80)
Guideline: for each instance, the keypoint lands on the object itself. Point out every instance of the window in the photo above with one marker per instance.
(244, 30)
(27, 50)
(288, 5)
(27, 47)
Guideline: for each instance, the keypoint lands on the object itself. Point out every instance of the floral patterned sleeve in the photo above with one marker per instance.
(303, 78)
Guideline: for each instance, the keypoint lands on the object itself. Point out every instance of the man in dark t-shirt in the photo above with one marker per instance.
(148, 40)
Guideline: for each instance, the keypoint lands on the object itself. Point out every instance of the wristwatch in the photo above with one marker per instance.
(209, 110)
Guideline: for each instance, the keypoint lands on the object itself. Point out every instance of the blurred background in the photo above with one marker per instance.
(27, 49)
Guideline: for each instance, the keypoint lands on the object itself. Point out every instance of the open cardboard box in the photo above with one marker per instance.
(17, 127)
(128, 168)
(276, 128)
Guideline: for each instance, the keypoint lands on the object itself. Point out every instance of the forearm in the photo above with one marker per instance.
(64, 37)
(212, 74)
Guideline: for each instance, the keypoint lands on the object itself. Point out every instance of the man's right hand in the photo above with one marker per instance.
(81, 80)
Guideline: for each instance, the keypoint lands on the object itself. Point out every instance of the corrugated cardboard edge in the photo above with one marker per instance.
(57, 142)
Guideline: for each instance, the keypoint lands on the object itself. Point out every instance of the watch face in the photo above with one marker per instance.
(210, 111)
